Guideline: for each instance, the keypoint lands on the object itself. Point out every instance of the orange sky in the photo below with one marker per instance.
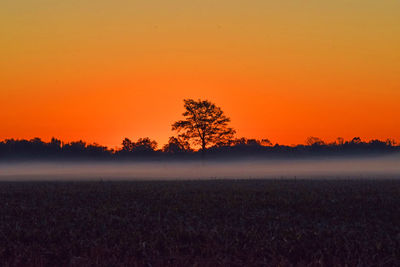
(282, 70)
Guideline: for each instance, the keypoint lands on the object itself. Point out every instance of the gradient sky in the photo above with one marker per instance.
(284, 70)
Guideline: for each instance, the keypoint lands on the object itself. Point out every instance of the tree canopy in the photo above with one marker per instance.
(205, 124)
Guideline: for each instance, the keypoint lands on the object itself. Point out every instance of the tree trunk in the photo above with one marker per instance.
(203, 150)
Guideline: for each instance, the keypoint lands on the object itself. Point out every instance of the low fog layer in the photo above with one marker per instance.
(246, 169)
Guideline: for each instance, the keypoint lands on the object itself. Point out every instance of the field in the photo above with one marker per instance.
(200, 223)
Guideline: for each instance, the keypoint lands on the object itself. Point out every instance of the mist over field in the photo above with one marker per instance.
(377, 167)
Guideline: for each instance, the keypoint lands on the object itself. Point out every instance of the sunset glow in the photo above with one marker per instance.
(104, 70)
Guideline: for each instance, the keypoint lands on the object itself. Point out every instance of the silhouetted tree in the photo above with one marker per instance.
(75, 148)
(339, 141)
(55, 143)
(176, 146)
(145, 145)
(390, 142)
(96, 150)
(265, 142)
(356, 140)
(251, 142)
(240, 141)
(127, 145)
(205, 124)
(314, 141)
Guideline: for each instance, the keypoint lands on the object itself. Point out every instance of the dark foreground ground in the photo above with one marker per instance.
(201, 223)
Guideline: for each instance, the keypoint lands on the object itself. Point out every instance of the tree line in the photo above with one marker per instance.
(204, 130)
(145, 148)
